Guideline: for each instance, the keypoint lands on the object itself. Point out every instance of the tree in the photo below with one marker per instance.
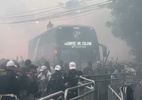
(126, 24)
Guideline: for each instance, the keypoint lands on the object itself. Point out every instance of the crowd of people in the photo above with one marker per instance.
(29, 81)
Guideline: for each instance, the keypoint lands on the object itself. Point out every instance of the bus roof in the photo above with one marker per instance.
(56, 27)
(73, 26)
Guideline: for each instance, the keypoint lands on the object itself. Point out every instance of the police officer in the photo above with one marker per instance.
(9, 82)
(71, 79)
(56, 83)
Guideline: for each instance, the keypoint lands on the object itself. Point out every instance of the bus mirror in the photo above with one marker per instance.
(104, 51)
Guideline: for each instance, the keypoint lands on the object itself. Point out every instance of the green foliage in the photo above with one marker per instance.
(126, 23)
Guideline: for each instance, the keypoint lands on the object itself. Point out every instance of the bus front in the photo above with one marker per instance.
(78, 44)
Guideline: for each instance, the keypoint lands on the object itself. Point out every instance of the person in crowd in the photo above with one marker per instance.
(21, 62)
(9, 82)
(3, 63)
(24, 83)
(118, 70)
(50, 25)
(88, 70)
(24, 80)
(33, 84)
(127, 92)
(117, 74)
(28, 63)
(71, 79)
(129, 69)
(56, 83)
(44, 73)
(139, 71)
(99, 69)
(43, 79)
(49, 68)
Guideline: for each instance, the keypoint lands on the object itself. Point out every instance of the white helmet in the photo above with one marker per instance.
(72, 65)
(58, 67)
(10, 63)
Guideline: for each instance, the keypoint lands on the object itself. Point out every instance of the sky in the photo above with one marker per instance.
(14, 37)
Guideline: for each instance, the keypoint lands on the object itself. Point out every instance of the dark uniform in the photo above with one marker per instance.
(9, 84)
(56, 83)
(33, 84)
(71, 80)
(24, 83)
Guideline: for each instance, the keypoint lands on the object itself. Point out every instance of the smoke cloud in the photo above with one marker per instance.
(14, 37)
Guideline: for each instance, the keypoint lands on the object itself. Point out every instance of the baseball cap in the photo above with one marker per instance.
(58, 67)
(72, 65)
(10, 63)
(42, 68)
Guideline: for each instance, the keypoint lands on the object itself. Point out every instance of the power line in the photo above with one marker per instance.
(65, 13)
(33, 11)
(70, 13)
(51, 10)
(85, 13)
(57, 19)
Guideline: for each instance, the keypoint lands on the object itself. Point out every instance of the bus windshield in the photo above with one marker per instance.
(76, 37)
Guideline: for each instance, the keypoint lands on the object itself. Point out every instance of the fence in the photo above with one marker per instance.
(113, 94)
(115, 91)
(8, 95)
(85, 90)
(98, 87)
(59, 94)
(106, 87)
